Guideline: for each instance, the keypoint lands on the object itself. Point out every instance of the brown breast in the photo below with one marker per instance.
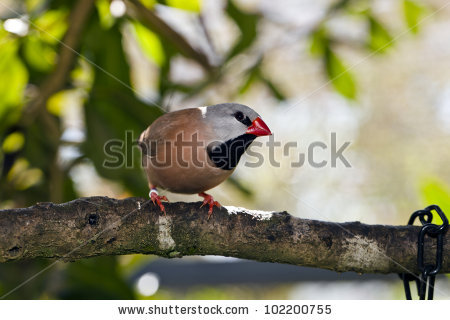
(175, 156)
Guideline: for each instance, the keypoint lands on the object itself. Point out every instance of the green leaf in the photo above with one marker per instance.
(39, 54)
(13, 81)
(252, 76)
(380, 39)
(116, 72)
(188, 5)
(22, 177)
(339, 76)
(247, 24)
(413, 11)
(149, 42)
(57, 102)
(33, 5)
(52, 25)
(275, 91)
(149, 3)
(82, 75)
(13, 142)
(319, 42)
(435, 191)
(104, 14)
(241, 187)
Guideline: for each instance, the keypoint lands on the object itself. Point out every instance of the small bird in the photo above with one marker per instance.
(193, 150)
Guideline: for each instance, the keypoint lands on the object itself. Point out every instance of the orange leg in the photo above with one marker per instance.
(208, 199)
(156, 198)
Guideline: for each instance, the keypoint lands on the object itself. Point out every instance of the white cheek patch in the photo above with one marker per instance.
(203, 111)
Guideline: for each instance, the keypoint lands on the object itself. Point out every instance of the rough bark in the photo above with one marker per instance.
(95, 226)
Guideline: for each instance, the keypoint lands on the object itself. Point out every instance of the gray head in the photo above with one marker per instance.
(235, 126)
(231, 120)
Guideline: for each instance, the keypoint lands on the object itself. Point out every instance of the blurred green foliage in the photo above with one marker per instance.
(414, 11)
(101, 74)
(380, 39)
(339, 75)
(435, 191)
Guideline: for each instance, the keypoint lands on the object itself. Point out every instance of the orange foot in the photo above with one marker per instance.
(157, 198)
(208, 199)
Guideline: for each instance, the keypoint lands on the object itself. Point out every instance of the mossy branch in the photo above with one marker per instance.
(95, 226)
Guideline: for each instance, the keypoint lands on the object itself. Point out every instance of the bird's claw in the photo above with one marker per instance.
(208, 199)
(156, 199)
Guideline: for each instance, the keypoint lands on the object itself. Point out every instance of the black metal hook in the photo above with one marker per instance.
(425, 281)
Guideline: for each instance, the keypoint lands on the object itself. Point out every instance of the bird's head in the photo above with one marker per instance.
(232, 120)
(235, 127)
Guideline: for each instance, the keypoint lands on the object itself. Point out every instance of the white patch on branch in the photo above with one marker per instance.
(364, 253)
(258, 214)
(164, 234)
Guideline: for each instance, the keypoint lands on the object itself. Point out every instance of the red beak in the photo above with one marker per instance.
(259, 128)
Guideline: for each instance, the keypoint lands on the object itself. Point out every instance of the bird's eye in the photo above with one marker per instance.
(239, 116)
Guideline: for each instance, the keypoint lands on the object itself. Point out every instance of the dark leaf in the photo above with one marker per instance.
(114, 113)
(275, 91)
(251, 77)
(239, 186)
(95, 278)
(247, 24)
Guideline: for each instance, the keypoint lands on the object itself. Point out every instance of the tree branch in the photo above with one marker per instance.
(159, 26)
(66, 58)
(95, 226)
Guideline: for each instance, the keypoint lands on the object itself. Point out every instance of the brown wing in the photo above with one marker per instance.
(166, 128)
(173, 168)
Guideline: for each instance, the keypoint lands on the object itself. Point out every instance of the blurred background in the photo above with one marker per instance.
(76, 74)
